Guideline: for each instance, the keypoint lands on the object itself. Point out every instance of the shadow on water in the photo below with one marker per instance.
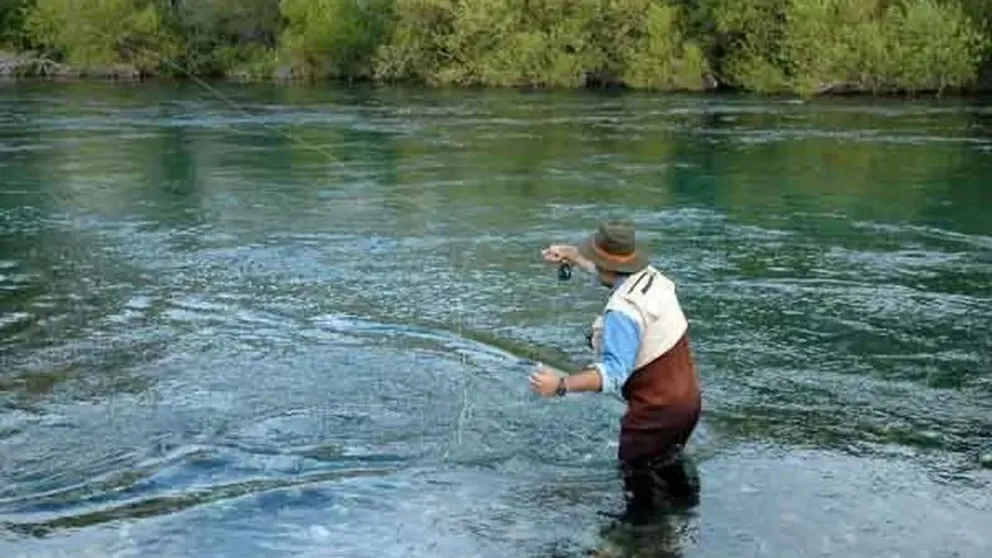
(174, 184)
(168, 504)
(666, 535)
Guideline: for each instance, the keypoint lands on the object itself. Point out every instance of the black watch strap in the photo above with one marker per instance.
(561, 390)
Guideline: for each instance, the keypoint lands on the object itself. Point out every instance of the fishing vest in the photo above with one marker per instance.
(647, 297)
(662, 393)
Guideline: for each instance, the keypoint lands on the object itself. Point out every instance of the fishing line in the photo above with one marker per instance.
(464, 409)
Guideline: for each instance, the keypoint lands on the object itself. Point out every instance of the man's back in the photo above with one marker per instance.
(649, 299)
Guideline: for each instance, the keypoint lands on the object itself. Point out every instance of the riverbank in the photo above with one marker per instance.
(36, 67)
(802, 47)
(33, 65)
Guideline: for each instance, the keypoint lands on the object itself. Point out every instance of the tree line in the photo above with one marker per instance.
(766, 46)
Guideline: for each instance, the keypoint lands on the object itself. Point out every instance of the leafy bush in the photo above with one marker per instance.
(660, 58)
(227, 35)
(12, 22)
(543, 43)
(103, 32)
(904, 46)
(768, 46)
(862, 45)
(333, 38)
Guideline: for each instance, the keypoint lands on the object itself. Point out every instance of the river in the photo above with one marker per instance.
(288, 321)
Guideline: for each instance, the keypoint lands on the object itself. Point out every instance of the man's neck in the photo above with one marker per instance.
(620, 279)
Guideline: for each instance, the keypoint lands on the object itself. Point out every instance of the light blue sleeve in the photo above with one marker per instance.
(621, 339)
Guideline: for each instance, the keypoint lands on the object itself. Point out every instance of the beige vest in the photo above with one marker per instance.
(648, 297)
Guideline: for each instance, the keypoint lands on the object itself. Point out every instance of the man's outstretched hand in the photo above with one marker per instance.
(544, 381)
(567, 253)
(561, 253)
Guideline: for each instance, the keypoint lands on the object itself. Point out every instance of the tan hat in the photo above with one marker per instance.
(613, 247)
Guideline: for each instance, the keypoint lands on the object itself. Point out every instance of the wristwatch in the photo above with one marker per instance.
(561, 390)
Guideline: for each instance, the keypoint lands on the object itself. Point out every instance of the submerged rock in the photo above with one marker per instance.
(605, 79)
(986, 460)
(283, 73)
(34, 64)
(20, 65)
(113, 71)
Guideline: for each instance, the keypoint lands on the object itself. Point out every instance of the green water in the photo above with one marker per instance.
(301, 324)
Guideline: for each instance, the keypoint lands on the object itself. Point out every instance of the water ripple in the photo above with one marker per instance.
(221, 340)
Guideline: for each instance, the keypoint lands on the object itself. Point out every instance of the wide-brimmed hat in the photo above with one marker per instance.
(613, 247)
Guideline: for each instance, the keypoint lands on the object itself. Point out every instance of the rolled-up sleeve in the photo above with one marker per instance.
(620, 342)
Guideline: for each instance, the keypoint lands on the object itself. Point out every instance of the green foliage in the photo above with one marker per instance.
(103, 32)
(660, 58)
(905, 46)
(980, 12)
(547, 44)
(501, 42)
(223, 36)
(807, 46)
(333, 38)
(12, 22)
(540, 43)
(936, 46)
(767, 46)
(247, 62)
(746, 41)
(418, 47)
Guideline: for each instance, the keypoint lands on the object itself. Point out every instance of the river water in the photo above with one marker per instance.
(299, 322)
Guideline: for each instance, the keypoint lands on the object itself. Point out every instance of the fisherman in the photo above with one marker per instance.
(643, 355)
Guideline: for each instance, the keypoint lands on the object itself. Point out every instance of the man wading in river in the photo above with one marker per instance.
(642, 350)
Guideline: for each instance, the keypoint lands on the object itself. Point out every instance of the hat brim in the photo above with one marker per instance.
(588, 251)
